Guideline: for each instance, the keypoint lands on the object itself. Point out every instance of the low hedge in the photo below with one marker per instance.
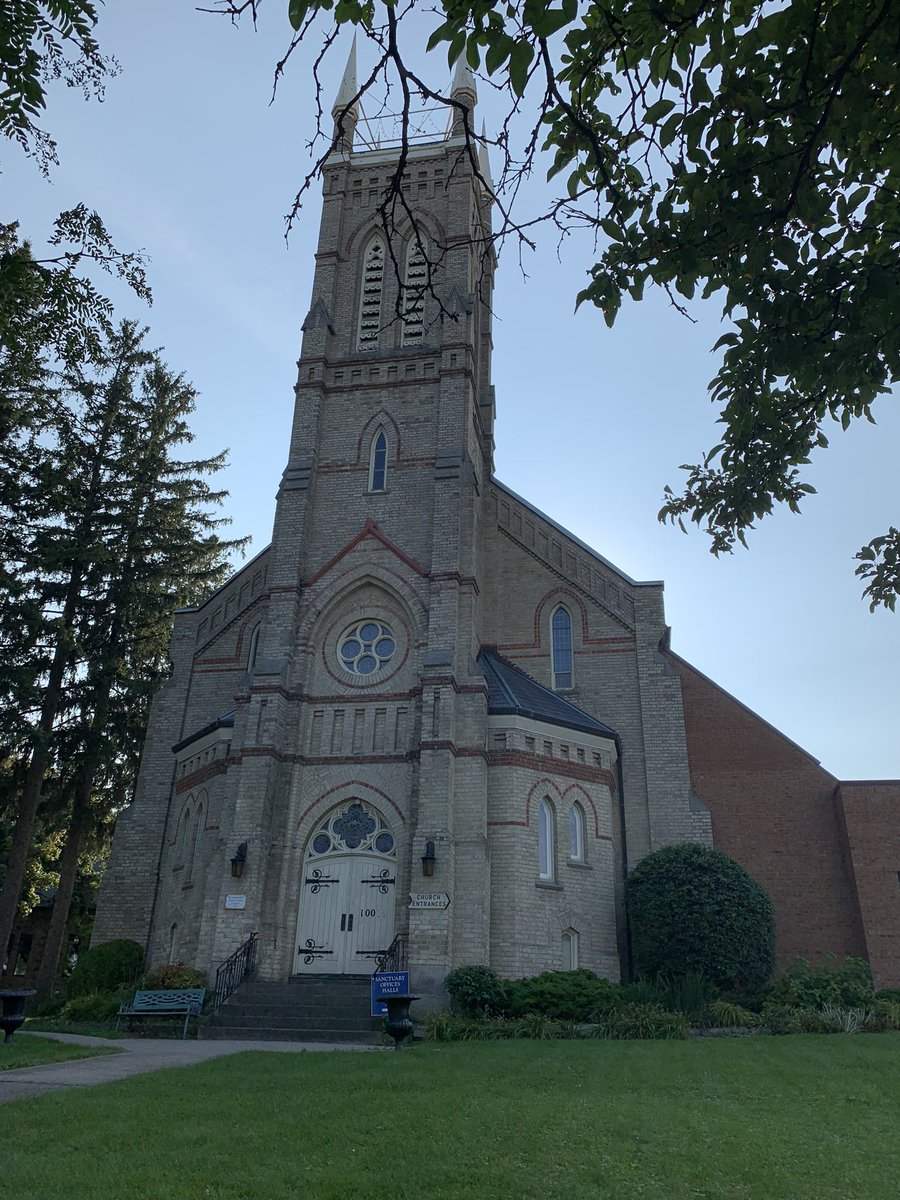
(173, 978)
(641, 1021)
(844, 984)
(95, 1006)
(564, 995)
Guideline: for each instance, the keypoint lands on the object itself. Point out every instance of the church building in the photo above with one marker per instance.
(426, 716)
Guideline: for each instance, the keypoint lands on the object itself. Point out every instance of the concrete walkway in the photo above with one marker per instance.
(137, 1057)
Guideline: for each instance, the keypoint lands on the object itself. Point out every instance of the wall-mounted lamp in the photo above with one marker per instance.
(428, 860)
(239, 861)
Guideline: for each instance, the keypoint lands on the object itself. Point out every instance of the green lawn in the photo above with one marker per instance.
(794, 1118)
(28, 1051)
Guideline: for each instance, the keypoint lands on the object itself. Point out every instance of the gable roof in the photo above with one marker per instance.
(511, 690)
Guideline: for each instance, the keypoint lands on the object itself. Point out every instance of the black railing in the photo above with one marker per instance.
(394, 958)
(235, 970)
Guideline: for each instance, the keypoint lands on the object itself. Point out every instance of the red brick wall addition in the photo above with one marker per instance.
(774, 810)
(871, 814)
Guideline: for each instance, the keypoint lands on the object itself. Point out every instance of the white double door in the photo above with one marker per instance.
(346, 914)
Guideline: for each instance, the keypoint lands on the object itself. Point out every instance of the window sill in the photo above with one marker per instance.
(579, 864)
(549, 885)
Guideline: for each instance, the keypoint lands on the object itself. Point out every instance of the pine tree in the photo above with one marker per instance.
(118, 531)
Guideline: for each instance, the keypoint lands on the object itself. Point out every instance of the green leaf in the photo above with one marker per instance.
(443, 33)
(657, 111)
(297, 10)
(498, 53)
(519, 62)
(547, 21)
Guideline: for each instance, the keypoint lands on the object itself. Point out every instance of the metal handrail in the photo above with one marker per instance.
(394, 958)
(234, 970)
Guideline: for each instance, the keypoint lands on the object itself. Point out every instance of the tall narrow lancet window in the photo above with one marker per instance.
(414, 283)
(570, 950)
(576, 833)
(546, 840)
(370, 300)
(561, 648)
(378, 463)
(198, 824)
(254, 648)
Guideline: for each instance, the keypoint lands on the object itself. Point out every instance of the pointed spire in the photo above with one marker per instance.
(484, 162)
(344, 110)
(463, 80)
(464, 92)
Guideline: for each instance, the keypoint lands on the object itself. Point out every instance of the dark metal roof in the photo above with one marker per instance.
(510, 690)
(226, 721)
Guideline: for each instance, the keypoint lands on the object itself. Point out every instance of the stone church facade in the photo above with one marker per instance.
(428, 712)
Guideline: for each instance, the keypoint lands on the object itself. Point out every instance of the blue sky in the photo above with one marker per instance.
(187, 159)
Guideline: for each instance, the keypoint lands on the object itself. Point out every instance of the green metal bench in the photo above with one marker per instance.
(187, 1001)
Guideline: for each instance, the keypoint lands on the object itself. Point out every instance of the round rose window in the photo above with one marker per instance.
(366, 647)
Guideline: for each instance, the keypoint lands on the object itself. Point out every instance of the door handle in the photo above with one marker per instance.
(343, 922)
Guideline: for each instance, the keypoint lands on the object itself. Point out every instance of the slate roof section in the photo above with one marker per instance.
(226, 721)
(510, 690)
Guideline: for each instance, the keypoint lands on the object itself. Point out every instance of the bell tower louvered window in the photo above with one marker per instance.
(414, 283)
(370, 301)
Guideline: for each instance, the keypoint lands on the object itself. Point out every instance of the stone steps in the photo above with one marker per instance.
(320, 1008)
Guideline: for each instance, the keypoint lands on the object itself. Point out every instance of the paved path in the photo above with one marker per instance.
(138, 1056)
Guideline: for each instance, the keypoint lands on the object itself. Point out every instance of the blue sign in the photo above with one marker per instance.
(387, 983)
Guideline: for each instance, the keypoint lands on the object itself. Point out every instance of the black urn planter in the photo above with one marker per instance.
(399, 1023)
(13, 1014)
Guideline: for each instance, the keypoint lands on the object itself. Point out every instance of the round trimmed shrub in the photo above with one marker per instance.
(692, 909)
(106, 967)
(477, 991)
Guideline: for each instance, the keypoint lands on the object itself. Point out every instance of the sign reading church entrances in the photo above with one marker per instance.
(429, 900)
(235, 901)
(387, 983)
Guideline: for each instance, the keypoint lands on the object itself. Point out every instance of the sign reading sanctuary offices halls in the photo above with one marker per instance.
(429, 900)
(387, 983)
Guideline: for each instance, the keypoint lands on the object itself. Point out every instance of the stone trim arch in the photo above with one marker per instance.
(381, 419)
(342, 793)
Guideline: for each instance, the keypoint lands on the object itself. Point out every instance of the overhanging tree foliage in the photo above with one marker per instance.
(45, 40)
(692, 909)
(742, 150)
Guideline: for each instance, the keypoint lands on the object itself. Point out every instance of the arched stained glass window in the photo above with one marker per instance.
(378, 463)
(546, 840)
(576, 833)
(370, 300)
(561, 648)
(414, 283)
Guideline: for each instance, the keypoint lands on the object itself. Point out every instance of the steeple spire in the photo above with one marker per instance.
(463, 91)
(484, 162)
(345, 109)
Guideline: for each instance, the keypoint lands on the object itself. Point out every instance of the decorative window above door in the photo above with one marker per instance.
(354, 828)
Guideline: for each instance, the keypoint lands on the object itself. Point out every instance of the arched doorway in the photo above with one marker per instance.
(347, 893)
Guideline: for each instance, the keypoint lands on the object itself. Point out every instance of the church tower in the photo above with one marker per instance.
(327, 712)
